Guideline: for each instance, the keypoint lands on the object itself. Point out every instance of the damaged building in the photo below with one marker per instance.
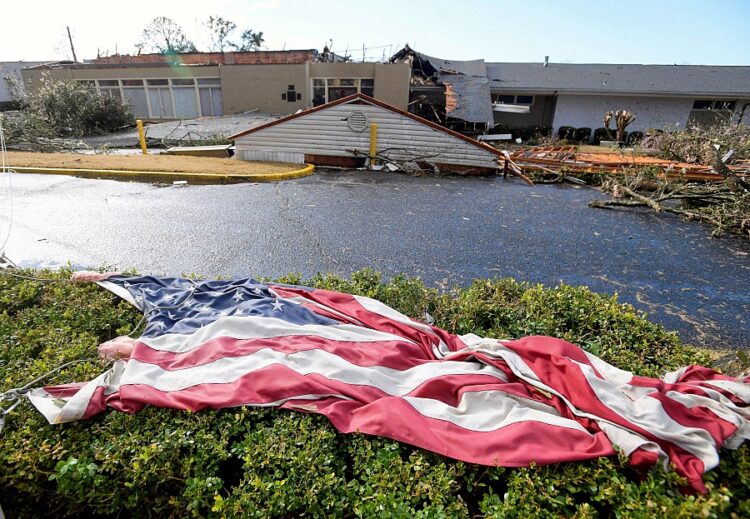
(183, 86)
(358, 130)
(455, 94)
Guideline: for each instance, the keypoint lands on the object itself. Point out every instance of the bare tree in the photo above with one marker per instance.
(164, 35)
(219, 30)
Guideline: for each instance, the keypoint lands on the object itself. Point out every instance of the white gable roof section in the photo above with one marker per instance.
(340, 128)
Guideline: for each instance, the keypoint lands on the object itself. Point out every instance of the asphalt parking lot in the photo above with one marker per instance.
(444, 230)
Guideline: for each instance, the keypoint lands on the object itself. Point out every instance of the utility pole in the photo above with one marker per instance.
(72, 49)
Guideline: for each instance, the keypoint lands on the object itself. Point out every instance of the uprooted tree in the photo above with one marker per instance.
(62, 109)
(725, 204)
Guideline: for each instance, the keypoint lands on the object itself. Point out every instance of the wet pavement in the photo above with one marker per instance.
(444, 230)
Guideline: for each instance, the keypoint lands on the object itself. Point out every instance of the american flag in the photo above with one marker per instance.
(371, 369)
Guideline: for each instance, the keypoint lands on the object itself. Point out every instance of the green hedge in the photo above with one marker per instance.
(246, 462)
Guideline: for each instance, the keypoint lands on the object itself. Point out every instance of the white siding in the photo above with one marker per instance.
(587, 111)
(271, 156)
(326, 132)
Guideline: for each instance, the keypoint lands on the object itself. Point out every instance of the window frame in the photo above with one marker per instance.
(357, 84)
(119, 85)
(514, 97)
(718, 105)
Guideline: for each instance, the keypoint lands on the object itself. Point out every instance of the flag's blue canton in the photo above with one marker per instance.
(178, 305)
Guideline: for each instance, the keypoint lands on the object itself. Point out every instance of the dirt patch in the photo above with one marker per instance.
(161, 163)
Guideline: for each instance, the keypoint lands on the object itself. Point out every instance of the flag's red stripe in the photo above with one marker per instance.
(554, 370)
(348, 305)
(372, 412)
(277, 382)
(398, 355)
(698, 417)
(515, 445)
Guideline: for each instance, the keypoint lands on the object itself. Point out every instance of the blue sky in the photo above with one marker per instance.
(576, 31)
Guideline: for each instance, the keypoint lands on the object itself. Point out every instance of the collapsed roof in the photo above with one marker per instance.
(464, 84)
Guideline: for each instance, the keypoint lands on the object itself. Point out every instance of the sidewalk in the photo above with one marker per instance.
(155, 168)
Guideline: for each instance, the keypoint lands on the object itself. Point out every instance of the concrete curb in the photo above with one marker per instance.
(195, 178)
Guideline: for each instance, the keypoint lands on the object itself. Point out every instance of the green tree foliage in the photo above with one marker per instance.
(250, 40)
(61, 108)
(246, 462)
(163, 35)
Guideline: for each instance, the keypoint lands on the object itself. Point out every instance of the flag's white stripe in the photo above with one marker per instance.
(258, 327)
(629, 441)
(647, 413)
(375, 306)
(608, 371)
(673, 376)
(724, 412)
(485, 411)
(738, 389)
(76, 405)
(228, 369)
(119, 291)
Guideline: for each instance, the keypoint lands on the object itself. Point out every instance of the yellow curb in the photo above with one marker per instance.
(202, 178)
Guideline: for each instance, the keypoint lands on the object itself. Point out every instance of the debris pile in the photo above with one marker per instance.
(717, 193)
(559, 160)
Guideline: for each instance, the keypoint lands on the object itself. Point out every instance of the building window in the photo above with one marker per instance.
(326, 90)
(109, 87)
(511, 99)
(209, 91)
(367, 87)
(167, 98)
(160, 98)
(135, 95)
(710, 112)
(714, 104)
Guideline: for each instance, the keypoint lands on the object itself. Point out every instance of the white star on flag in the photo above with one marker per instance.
(238, 296)
(277, 305)
(257, 291)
